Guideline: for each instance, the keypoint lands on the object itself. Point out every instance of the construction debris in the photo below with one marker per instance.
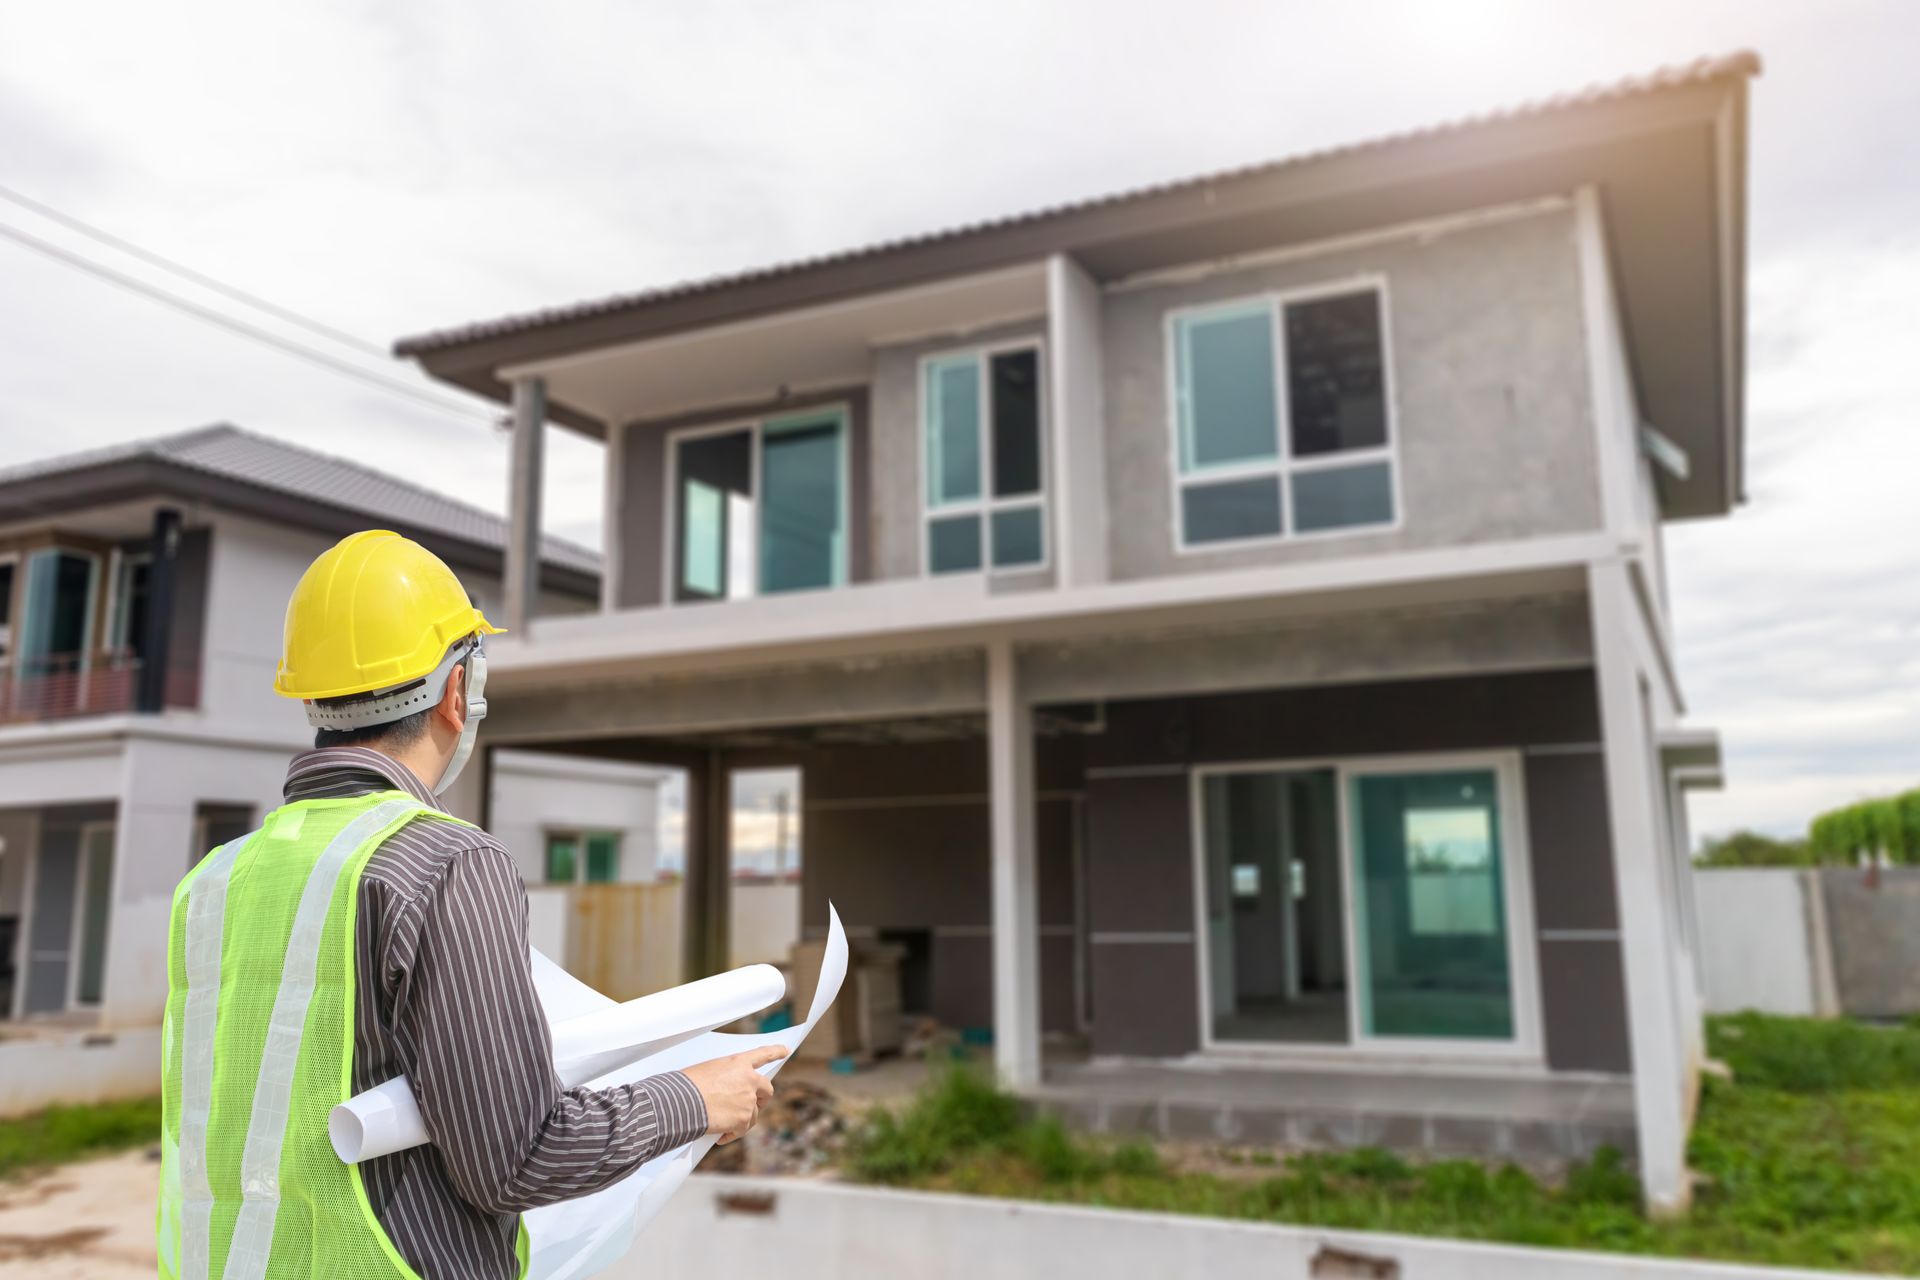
(799, 1132)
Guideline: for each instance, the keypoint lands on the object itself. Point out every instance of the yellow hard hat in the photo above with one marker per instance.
(374, 611)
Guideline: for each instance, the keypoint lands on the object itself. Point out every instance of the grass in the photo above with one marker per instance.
(1809, 1157)
(61, 1134)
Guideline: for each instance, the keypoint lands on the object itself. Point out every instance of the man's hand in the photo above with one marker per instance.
(734, 1089)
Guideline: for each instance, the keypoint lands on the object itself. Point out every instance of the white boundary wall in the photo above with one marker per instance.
(1756, 943)
(804, 1230)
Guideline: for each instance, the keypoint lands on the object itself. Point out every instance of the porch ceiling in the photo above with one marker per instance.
(789, 352)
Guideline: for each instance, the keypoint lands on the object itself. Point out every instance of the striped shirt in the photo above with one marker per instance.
(445, 996)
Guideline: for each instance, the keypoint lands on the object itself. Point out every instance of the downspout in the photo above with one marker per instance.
(151, 694)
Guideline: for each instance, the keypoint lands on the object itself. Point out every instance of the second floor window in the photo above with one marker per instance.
(760, 508)
(1282, 418)
(59, 601)
(985, 475)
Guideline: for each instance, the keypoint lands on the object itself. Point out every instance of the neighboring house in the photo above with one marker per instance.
(1224, 623)
(141, 594)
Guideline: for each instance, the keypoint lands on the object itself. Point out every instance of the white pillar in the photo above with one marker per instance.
(1016, 889)
(1660, 1069)
(1077, 423)
(523, 502)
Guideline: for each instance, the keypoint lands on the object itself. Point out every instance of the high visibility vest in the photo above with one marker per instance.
(258, 1049)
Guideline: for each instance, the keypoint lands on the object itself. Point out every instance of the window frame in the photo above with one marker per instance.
(1283, 466)
(90, 620)
(756, 426)
(1527, 1047)
(580, 836)
(986, 505)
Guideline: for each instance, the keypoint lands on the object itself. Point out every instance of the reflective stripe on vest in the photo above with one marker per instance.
(267, 1128)
(206, 918)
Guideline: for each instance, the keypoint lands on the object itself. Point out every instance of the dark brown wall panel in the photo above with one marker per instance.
(1144, 999)
(1139, 854)
(1585, 997)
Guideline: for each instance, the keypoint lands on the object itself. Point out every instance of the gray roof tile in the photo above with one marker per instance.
(225, 450)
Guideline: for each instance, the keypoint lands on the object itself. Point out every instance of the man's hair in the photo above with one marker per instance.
(394, 735)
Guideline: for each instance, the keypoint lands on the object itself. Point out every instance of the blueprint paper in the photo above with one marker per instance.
(592, 1035)
(578, 1238)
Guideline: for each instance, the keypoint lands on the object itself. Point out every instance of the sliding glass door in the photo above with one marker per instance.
(1434, 938)
(1368, 903)
(760, 508)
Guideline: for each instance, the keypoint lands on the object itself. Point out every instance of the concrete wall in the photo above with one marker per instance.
(812, 1230)
(1757, 949)
(1493, 409)
(1489, 381)
(1874, 928)
(1139, 843)
(538, 792)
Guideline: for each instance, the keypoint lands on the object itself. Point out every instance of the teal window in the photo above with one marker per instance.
(603, 857)
(985, 459)
(563, 859)
(1433, 955)
(1281, 418)
(57, 628)
(760, 508)
(574, 857)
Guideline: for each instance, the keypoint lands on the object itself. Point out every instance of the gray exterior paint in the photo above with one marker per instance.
(1493, 417)
(1488, 370)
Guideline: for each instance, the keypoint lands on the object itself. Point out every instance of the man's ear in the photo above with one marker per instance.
(452, 707)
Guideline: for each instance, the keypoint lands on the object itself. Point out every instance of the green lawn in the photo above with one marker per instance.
(60, 1134)
(1810, 1157)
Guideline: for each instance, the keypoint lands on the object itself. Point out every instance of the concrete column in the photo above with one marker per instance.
(1660, 1070)
(523, 501)
(708, 854)
(1077, 468)
(1016, 888)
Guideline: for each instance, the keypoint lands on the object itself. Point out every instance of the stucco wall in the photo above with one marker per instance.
(1489, 380)
(537, 792)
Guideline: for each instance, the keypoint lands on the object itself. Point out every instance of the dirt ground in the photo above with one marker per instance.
(94, 1220)
(86, 1221)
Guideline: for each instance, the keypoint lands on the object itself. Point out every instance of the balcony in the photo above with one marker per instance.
(64, 685)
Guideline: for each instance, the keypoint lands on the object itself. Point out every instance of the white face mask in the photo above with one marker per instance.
(476, 712)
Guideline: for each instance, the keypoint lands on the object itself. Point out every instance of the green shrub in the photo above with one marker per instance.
(958, 1114)
(60, 1134)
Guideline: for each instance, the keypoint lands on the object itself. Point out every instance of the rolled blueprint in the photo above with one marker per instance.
(592, 1035)
(577, 1238)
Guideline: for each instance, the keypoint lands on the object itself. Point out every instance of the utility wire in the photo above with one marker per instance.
(181, 269)
(240, 327)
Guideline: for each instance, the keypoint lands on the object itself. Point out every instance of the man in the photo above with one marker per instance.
(362, 934)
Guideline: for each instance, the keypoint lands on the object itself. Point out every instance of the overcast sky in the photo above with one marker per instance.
(389, 168)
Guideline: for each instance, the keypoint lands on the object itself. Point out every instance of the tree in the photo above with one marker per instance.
(1752, 849)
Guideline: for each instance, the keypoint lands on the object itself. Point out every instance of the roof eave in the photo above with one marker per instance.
(142, 477)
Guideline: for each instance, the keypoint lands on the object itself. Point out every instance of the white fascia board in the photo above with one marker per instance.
(920, 614)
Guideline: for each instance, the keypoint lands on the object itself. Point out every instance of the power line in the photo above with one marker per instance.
(240, 327)
(200, 278)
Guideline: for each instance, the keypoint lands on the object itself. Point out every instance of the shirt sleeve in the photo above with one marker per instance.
(479, 1057)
